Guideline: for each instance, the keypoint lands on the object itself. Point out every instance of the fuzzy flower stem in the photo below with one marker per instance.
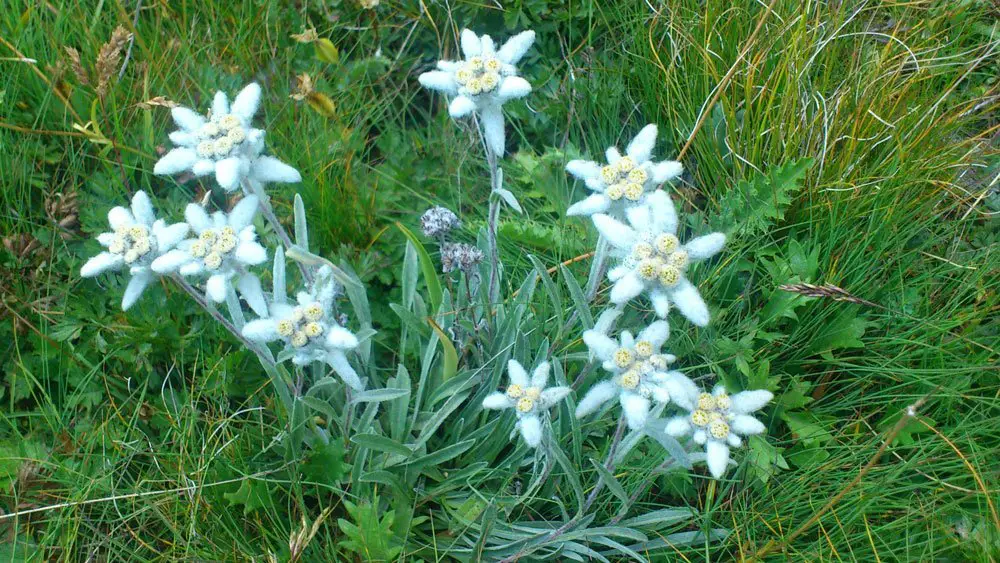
(493, 220)
(609, 464)
(267, 211)
(263, 354)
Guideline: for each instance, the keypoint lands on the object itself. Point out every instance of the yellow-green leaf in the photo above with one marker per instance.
(326, 51)
(450, 366)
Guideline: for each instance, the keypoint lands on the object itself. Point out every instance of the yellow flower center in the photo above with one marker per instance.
(625, 164)
(229, 122)
(479, 75)
(313, 329)
(220, 137)
(524, 404)
(648, 268)
(718, 429)
(644, 348)
(237, 135)
(131, 243)
(213, 260)
(623, 357)
(633, 191)
(630, 379)
(638, 176)
(609, 174)
(699, 418)
(666, 243)
(723, 402)
(222, 146)
(679, 259)
(515, 391)
(669, 275)
(533, 393)
(615, 191)
(285, 328)
(313, 311)
(706, 402)
(299, 339)
(642, 251)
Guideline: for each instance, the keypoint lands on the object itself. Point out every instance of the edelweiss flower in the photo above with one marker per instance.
(483, 81)
(717, 421)
(136, 240)
(225, 246)
(529, 399)
(460, 256)
(638, 372)
(224, 144)
(653, 259)
(308, 328)
(624, 180)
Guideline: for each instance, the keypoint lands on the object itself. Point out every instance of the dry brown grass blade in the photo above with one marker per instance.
(109, 57)
(826, 291)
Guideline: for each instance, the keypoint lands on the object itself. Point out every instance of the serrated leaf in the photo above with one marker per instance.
(753, 207)
(252, 494)
(325, 465)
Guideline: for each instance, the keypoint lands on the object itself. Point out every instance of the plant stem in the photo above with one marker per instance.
(257, 189)
(493, 220)
(609, 464)
(263, 354)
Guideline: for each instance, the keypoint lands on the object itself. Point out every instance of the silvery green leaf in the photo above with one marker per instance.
(658, 519)
(278, 290)
(302, 256)
(597, 264)
(301, 228)
(439, 417)
(379, 395)
(365, 333)
(509, 198)
(550, 288)
(441, 455)
(235, 310)
(397, 408)
(411, 267)
(382, 444)
(656, 428)
(285, 355)
(619, 549)
(579, 300)
(613, 485)
(319, 405)
(325, 384)
(681, 538)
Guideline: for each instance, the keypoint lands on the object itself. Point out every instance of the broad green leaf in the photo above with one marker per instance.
(428, 268)
(381, 444)
(379, 395)
(442, 455)
(613, 485)
(449, 366)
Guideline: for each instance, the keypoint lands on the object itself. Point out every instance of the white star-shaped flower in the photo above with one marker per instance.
(624, 180)
(638, 372)
(137, 238)
(652, 259)
(308, 327)
(529, 399)
(224, 144)
(717, 421)
(225, 246)
(483, 81)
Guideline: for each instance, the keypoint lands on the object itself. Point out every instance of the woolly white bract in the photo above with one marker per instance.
(308, 327)
(224, 144)
(624, 180)
(528, 397)
(653, 260)
(136, 240)
(638, 372)
(717, 421)
(225, 246)
(483, 81)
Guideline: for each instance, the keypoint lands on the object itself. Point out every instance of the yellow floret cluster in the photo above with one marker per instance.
(213, 246)
(479, 75)
(220, 136)
(624, 180)
(526, 397)
(131, 243)
(712, 412)
(303, 325)
(662, 260)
